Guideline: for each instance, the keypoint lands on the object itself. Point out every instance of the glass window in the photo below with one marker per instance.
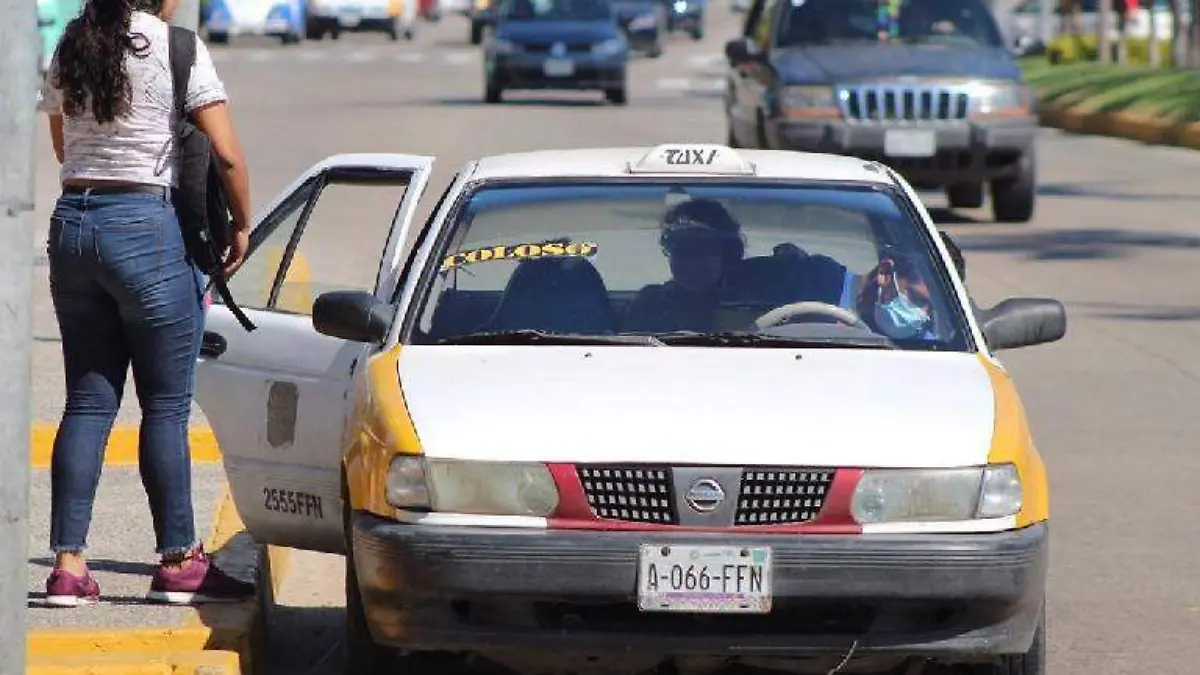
(943, 22)
(556, 10)
(615, 258)
(251, 285)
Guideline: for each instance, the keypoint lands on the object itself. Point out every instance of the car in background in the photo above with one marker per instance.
(686, 15)
(334, 17)
(556, 44)
(1022, 24)
(644, 23)
(284, 19)
(932, 91)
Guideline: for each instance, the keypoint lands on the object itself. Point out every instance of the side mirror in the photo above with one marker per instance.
(1023, 322)
(960, 263)
(738, 51)
(352, 315)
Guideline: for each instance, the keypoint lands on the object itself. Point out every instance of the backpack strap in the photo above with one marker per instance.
(181, 45)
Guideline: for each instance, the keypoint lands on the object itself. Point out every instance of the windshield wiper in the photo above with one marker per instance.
(747, 339)
(530, 336)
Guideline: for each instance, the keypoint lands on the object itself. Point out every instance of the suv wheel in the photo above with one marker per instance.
(1013, 198)
(965, 195)
(617, 95)
(362, 654)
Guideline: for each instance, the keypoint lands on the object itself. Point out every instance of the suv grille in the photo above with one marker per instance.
(892, 103)
(640, 493)
(637, 494)
(772, 496)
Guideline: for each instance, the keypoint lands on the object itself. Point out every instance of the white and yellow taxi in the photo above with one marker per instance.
(680, 404)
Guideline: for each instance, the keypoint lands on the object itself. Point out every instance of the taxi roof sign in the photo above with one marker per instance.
(694, 158)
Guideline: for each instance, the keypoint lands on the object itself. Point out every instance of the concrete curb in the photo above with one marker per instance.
(122, 445)
(1125, 125)
(212, 640)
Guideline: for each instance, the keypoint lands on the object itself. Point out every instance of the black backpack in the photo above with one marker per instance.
(200, 201)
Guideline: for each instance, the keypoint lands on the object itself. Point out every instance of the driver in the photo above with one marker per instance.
(895, 298)
(702, 242)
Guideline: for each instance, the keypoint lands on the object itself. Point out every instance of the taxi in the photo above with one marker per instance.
(680, 404)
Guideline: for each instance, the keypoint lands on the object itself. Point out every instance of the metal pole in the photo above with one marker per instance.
(18, 97)
(187, 14)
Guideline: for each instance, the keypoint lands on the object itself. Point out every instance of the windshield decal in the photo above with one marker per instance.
(528, 251)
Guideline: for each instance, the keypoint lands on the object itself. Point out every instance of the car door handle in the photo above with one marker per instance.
(213, 345)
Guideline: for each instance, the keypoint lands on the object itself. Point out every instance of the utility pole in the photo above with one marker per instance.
(187, 14)
(18, 99)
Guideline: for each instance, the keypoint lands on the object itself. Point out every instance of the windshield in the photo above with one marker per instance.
(691, 262)
(555, 10)
(810, 23)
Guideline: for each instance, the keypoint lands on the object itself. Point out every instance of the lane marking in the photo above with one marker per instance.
(122, 445)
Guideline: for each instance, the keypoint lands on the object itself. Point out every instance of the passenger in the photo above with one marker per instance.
(895, 299)
(125, 292)
(702, 242)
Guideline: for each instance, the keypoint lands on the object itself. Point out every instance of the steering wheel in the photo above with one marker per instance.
(784, 313)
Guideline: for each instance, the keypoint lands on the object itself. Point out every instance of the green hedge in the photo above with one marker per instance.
(1162, 92)
(1075, 48)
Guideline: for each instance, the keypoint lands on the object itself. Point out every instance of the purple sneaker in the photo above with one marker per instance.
(199, 581)
(64, 589)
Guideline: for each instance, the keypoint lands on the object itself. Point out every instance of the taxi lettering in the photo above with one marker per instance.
(688, 156)
(546, 249)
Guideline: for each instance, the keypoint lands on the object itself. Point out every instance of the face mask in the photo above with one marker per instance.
(901, 318)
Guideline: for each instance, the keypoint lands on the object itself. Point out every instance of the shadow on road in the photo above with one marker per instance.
(1094, 190)
(1086, 244)
(1138, 312)
(525, 102)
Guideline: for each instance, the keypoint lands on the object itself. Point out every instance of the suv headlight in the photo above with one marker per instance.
(808, 98)
(1000, 98)
(609, 46)
(936, 495)
(457, 486)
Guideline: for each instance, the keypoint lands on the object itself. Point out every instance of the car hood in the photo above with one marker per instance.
(699, 405)
(847, 63)
(552, 31)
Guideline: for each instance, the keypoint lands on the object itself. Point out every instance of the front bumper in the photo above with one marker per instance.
(365, 22)
(938, 596)
(527, 71)
(966, 151)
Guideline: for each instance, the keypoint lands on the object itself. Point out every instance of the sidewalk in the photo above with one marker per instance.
(125, 634)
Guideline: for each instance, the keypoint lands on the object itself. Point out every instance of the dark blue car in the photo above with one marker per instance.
(556, 44)
(644, 23)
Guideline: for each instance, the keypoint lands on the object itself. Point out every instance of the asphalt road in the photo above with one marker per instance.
(1113, 406)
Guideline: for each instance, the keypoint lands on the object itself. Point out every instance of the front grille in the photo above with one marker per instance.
(898, 103)
(776, 496)
(572, 47)
(637, 494)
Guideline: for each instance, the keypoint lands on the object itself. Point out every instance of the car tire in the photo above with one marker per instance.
(335, 33)
(617, 95)
(493, 93)
(965, 195)
(314, 32)
(476, 32)
(290, 38)
(361, 653)
(1014, 198)
(218, 38)
(698, 31)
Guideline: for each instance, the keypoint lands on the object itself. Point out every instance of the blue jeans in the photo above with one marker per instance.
(125, 295)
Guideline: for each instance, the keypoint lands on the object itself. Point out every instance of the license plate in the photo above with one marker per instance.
(704, 579)
(350, 19)
(558, 67)
(909, 143)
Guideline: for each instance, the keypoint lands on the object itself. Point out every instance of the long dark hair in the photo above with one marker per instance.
(90, 68)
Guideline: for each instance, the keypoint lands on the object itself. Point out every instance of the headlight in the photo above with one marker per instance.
(807, 97)
(505, 47)
(1000, 98)
(680, 6)
(609, 46)
(643, 22)
(453, 486)
(936, 495)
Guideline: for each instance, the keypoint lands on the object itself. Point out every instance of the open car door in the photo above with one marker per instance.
(276, 398)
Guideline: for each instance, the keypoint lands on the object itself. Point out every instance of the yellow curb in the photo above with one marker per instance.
(1127, 125)
(122, 445)
(235, 628)
(191, 663)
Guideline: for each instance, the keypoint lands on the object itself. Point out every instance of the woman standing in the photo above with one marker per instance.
(125, 293)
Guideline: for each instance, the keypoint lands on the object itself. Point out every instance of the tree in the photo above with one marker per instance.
(1104, 20)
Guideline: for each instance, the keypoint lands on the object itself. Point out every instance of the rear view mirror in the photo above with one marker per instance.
(960, 263)
(739, 51)
(1023, 322)
(352, 315)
